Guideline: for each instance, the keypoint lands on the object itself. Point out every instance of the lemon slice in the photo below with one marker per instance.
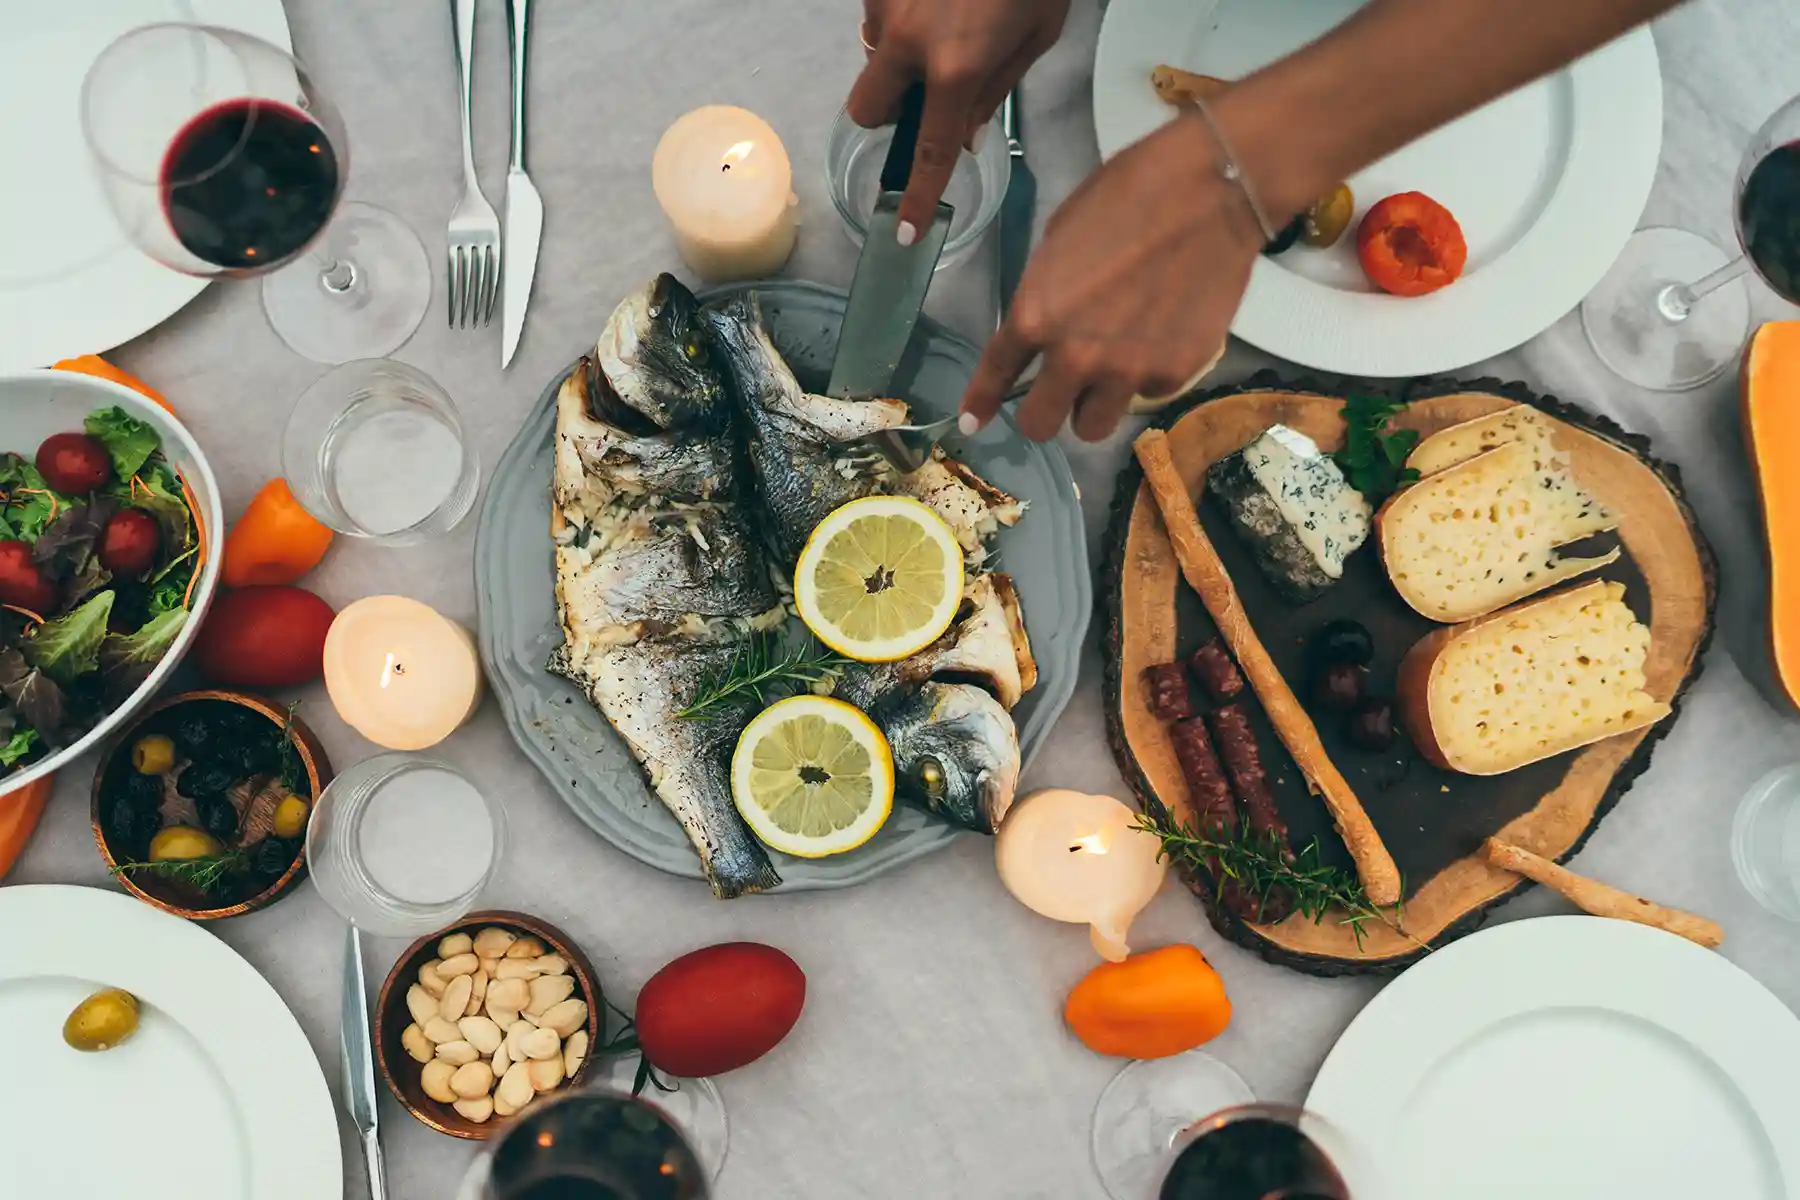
(812, 776)
(880, 579)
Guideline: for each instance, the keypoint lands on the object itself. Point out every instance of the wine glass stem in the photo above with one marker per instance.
(336, 275)
(1677, 300)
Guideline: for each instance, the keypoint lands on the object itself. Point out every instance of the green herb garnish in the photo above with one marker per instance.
(204, 873)
(292, 772)
(762, 666)
(1374, 457)
(1259, 864)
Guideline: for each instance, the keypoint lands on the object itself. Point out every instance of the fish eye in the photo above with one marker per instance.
(930, 775)
(692, 348)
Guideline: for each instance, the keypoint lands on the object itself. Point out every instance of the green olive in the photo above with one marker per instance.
(153, 755)
(1329, 216)
(183, 842)
(290, 817)
(102, 1021)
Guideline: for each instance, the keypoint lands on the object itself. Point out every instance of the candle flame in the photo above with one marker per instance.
(736, 154)
(1093, 843)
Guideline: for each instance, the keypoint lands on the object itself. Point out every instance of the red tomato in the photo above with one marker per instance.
(264, 637)
(130, 541)
(22, 585)
(1409, 245)
(74, 463)
(718, 1009)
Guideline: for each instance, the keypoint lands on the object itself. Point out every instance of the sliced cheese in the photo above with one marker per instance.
(1292, 507)
(1478, 536)
(1459, 443)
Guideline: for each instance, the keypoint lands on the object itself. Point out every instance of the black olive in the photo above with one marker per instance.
(1290, 233)
(1372, 724)
(239, 757)
(218, 816)
(1339, 686)
(1342, 641)
(206, 779)
(131, 827)
(273, 856)
(144, 791)
(195, 734)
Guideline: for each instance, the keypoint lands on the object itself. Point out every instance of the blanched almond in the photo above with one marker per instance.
(552, 964)
(472, 1080)
(502, 1060)
(477, 994)
(545, 1073)
(548, 990)
(435, 1080)
(413, 1039)
(457, 1053)
(492, 942)
(481, 1033)
(430, 980)
(456, 943)
(516, 968)
(527, 947)
(541, 1043)
(509, 993)
(502, 1108)
(477, 1110)
(422, 1004)
(455, 1003)
(440, 1031)
(515, 1087)
(460, 964)
(513, 1036)
(565, 1018)
(575, 1052)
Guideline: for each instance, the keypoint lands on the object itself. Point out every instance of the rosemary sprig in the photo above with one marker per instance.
(763, 665)
(1259, 864)
(204, 873)
(292, 772)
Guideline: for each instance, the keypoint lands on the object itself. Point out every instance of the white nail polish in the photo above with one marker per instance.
(907, 234)
(980, 138)
(968, 424)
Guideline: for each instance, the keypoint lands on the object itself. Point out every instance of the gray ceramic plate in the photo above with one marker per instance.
(573, 745)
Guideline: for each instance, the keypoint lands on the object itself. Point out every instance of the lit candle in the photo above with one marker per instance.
(723, 180)
(399, 673)
(1075, 857)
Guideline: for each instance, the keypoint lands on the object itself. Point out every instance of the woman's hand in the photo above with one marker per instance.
(1131, 292)
(970, 53)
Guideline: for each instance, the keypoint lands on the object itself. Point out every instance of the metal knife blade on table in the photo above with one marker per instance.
(891, 279)
(1018, 208)
(356, 1049)
(524, 207)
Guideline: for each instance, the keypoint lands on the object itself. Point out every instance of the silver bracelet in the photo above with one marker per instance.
(1234, 174)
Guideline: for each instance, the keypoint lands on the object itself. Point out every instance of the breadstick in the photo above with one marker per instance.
(1204, 572)
(1601, 899)
(1176, 86)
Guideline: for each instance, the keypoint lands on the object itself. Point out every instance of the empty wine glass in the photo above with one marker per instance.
(1672, 314)
(220, 157)
(1147, 1107)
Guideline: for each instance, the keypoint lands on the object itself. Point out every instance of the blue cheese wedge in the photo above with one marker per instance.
(1294, 510)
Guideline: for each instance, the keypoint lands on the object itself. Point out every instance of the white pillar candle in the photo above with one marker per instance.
(724, 181)
(1075, 857)
(399, 673)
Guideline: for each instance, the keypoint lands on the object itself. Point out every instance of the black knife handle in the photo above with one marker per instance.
(896, 172)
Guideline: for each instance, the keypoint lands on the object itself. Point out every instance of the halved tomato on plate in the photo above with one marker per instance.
(1409, 245)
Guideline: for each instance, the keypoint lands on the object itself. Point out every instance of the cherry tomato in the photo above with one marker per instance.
(1409, 245)
(22, 585)
(74, 463)
(264, 637)
(719, 1008)
(130, 542)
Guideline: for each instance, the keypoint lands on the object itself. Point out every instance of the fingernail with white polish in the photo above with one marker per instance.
(907, 234)
(975, 142)
(968, 424)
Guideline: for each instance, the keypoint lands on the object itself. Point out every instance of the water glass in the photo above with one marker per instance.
(1765, 841)
(402, 844)
(376, 449)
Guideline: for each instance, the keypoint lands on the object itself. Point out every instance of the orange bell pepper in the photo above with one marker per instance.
(19, 813)
(93, 364)
(1152, 1005)
(275, 541)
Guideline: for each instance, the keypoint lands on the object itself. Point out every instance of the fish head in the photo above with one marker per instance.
(656, 354)
(956, 753)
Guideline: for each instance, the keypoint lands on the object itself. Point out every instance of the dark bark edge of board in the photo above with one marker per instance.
(1111, 634)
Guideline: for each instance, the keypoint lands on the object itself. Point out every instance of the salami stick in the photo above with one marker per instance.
(1602, 899)
(1206, 575)
(1211, 665)
(1167, 687)
(1237, 746)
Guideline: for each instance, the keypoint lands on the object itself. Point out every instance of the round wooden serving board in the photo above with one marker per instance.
(1431, 820)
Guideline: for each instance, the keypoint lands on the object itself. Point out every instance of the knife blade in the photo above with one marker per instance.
(891, 280)
(1018, 207)
(354, 1043)
(524, 207)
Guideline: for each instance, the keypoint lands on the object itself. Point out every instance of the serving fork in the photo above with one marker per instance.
(473, 240)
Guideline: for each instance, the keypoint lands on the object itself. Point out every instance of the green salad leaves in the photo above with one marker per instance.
(130, 441)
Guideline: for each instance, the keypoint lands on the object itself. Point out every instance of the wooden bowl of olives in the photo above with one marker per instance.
(200, 805)
(420, 1051)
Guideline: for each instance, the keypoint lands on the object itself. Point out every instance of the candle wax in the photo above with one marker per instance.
(724, 181)
(399, 673)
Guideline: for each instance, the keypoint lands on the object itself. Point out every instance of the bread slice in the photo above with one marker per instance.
(1521, 685)
(1478, 536)
(1459, 443)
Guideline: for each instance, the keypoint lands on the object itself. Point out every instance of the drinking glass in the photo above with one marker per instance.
(402, 844)
(1765, 841)
(1147, 1107)
(1672, 314)
(376, 449)
(1264, 1152)
(593, 1144)
(220, 157)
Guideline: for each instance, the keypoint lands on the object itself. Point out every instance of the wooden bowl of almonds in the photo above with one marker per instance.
(476, 1021)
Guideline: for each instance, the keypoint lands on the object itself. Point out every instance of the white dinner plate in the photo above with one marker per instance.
(1571, 1058)
(1547, 184)
(71, 282)
(218, 1095)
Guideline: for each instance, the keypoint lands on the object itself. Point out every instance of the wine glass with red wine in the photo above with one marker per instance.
(220, 157)
(595, 1144)
(1672, 314)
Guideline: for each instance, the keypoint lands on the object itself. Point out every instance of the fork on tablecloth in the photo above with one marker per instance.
(473, 241)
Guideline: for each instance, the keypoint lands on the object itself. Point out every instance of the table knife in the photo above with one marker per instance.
(891, 279)
(524, 207)
(1017, 209)
(355, 1046)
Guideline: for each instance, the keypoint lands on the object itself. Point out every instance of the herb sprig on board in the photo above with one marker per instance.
(763, 666)
(1374, 456)
(1260, 865)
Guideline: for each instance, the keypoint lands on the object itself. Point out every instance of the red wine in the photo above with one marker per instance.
(248, 183)
(1253, 1159)
(569, 1187)
(1769, 216)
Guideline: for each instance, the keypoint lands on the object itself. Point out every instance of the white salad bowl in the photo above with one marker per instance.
(36, 404)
